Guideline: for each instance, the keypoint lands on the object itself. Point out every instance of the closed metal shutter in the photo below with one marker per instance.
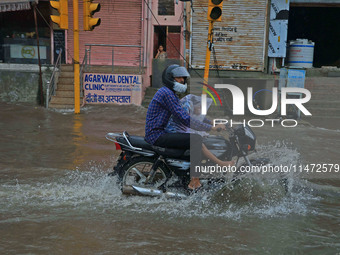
(239, 39)
(120, 25)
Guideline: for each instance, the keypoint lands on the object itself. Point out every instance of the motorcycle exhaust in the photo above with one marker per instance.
(135, 190)
(128, 190)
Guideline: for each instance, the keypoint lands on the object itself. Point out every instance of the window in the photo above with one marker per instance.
(166, 7)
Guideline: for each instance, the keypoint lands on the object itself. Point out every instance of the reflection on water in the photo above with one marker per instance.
(78, 139)
(55, 195)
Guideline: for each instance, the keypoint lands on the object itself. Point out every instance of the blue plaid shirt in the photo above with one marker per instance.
(164, 103)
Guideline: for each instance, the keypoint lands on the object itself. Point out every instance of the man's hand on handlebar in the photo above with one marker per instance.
(219, 127)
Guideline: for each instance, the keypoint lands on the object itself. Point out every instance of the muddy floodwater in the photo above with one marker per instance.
(56, 197)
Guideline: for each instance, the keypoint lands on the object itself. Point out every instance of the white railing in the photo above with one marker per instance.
(116, 54)
(52, 83)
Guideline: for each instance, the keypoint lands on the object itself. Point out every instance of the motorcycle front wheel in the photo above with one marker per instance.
(137, 173)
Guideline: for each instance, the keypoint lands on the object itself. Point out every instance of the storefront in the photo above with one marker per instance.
(239, 39)
(317, 21)
(18, 37)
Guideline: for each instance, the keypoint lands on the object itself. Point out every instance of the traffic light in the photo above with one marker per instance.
(215, 10)
(89, 9)
(62, 19)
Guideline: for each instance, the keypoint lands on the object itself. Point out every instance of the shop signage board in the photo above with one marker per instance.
(27, 51)
(17, 5)
(292, 78)
(59, 44)
(103, 88)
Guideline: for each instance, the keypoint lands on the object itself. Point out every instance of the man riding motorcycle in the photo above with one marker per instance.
(166, 103)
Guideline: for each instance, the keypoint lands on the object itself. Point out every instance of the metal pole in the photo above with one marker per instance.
(40, 90)
(207, 57)
(90, 55)
(140, 59)
(206, 69)
(87, 59)
(112, 58)
(47, 94)
(76, 57)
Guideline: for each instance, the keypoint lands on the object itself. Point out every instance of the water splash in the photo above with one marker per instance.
(84, 192)
(90, 190)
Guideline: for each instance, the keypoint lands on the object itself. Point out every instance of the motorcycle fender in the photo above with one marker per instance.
(122, 160)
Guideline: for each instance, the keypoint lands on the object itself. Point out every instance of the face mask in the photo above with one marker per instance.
(179, 87)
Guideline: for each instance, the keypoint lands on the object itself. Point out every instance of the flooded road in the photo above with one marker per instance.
(56, 197)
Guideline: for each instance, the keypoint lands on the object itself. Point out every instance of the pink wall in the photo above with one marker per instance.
(121, 24)
(119, 27)
(151, 20)
(176, 20)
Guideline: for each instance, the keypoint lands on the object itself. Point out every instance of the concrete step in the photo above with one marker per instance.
(150, 91)
(149, 94)
(146, 104)
(321, 83)
(62, 106)
(148, 98)
(65, 80)
(325, 88)
(61, 100)
(315, 116)
(323, 104)
(66, 75)
(67, 68)
(326, 112)
(65, 87)
(320, 90)
(65, 93)
(325, 96)
(64, 97)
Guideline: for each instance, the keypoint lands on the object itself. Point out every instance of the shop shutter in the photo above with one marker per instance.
(120, 25)
(240, 39)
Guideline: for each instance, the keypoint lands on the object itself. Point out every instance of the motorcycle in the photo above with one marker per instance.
(144, 169)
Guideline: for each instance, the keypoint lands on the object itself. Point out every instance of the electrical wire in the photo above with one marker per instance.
(190, 67)
(227, 110)
(61, 42)
(164, 33)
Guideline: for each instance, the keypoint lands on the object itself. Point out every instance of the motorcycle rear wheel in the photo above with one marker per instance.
(137, 171)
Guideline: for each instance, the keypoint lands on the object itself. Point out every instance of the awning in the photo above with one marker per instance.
(15, 5)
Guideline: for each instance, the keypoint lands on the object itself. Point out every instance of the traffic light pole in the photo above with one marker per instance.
(76, 57)
(207, 56)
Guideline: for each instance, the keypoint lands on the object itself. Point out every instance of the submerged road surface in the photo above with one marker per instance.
(56, 197)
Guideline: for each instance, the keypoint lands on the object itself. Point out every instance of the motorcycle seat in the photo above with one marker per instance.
(172, 153)
(136, 141)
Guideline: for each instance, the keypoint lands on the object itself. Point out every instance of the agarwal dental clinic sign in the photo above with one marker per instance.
(122, 89)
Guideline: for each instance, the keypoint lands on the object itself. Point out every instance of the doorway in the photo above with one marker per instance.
(170, 38)
(320, 25)
(159, 38)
